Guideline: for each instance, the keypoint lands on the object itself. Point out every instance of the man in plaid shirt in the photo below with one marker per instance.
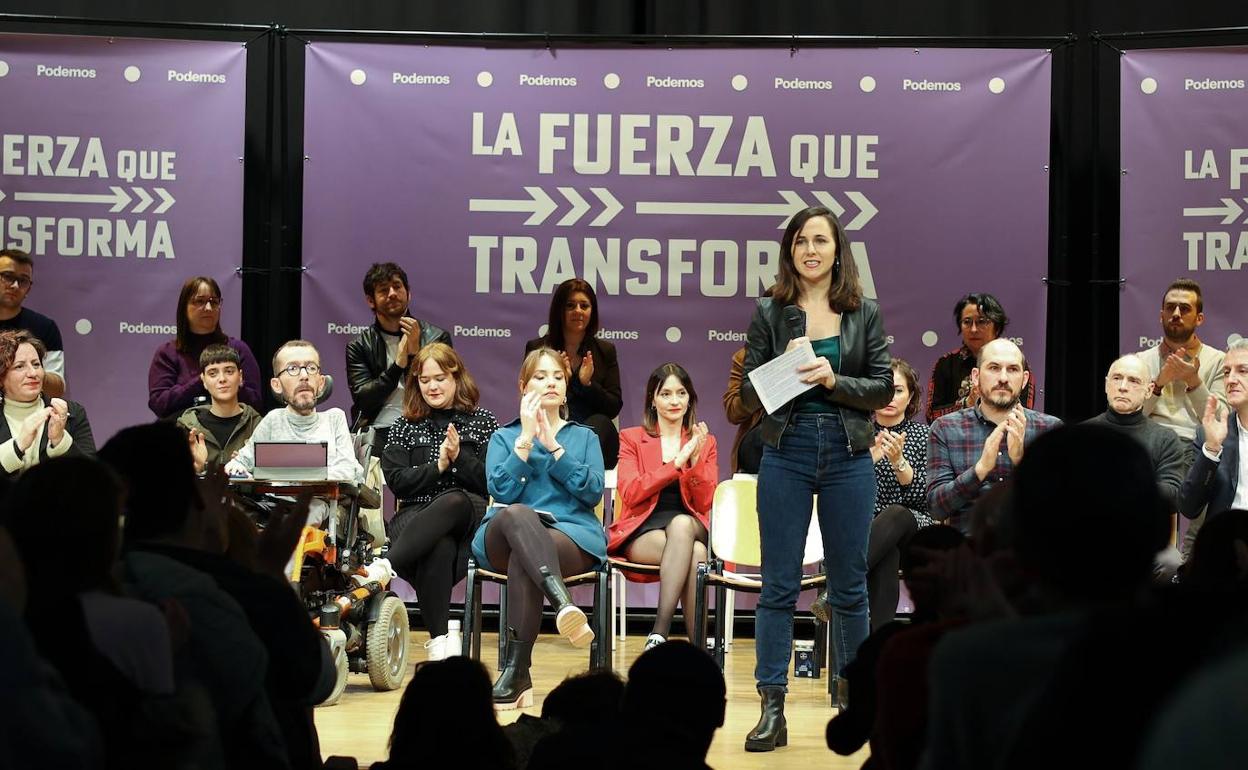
(972, 449)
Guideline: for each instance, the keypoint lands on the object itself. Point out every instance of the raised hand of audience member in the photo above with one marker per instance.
(199, 450)
(877, 448)
(586, 372)
(56, 421)
(216, 499)
(891, 445)
(689, 453)
(1015, 431)
(1214, 424)
(30, 427)
(452, 442)
(545, 432)
(410, 328)
(992, 447)
(530, 408)
(277, 541)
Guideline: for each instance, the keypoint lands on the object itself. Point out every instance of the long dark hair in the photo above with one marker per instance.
(845, 293)
(554, 326)
(182, 342)
(650, 416)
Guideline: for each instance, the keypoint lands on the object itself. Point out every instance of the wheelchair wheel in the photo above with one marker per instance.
(387, 645)
(340, 684)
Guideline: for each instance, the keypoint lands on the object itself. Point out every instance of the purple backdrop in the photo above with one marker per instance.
(665, 177)
(1184, 182)
(122, 175)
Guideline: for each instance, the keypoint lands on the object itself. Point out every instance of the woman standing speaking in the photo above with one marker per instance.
(818, 443)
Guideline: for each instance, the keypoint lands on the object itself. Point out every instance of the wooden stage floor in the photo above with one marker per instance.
(360, 724)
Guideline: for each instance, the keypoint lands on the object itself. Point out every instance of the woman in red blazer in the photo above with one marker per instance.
(666, 477)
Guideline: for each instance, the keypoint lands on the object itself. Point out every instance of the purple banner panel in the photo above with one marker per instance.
(665, 178)
(122, 175)
(1184, 188)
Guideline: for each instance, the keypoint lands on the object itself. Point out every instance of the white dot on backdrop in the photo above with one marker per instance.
(4, 68)
(358, 77)
(83, 326)
(1149, 85)
(996, 85)
(541, 330)
(673, 334)
(740, 82)
(930, 338)
(132, 74)
(1231, 340)
(485, 79)
(611, 80)
(867, 84)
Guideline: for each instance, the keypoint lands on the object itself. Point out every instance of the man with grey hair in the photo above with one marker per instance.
(1126, 386)
(1218, 478)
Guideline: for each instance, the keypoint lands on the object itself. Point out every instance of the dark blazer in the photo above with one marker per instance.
(76, 426)
(370, 378)
(863, 384)
(602, 395)
(1209, 483)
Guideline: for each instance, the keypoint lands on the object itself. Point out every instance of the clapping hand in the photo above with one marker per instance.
(688, 455)
(1214, 424)
(530, 408)
(30, 428)
(545, 432)
(891, 445)
(199, 449)
(586, 372)
(56, 421)
(1015, 432)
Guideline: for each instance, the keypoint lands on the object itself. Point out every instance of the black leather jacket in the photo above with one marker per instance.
(370, 378)
(863, 384)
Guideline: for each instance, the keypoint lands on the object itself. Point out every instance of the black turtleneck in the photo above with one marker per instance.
(1164, 447)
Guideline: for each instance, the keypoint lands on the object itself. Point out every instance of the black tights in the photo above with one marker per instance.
(516, 531)
(890, 531)
(426, 554)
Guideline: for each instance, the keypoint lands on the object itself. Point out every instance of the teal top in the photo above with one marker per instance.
(567, 488)
(812, 401)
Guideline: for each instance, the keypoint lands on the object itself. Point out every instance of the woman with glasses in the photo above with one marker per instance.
(980, 319)
(35, 427)
(173, 382)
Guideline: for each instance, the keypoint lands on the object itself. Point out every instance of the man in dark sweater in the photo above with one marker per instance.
(1126, 386)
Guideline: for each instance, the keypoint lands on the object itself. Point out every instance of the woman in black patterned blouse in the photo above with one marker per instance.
(434, 462)
(900, 455)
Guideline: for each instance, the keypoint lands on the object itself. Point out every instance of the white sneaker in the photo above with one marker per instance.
(437, 648)
(378, 571)
(654, 640)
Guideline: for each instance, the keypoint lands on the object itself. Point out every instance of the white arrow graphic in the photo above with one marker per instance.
(866, 210)
(145, 200)
(1230, 211)
(579, 206)
(611, 206)
(832, 204)
(793, 202)
(166, 200)
(539, 206)
(119, 199)
(2, 196)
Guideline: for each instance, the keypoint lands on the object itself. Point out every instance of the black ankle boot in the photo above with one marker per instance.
(514, 688)
(771, 730)
(569, 618)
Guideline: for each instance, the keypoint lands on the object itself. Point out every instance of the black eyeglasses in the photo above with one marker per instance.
(293, 369)
(10, 278)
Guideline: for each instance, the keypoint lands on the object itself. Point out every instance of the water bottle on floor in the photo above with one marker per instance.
(454, 639)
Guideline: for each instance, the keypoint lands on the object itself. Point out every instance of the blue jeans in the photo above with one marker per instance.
(813, 457)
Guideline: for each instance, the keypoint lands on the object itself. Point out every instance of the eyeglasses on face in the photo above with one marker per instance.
(203, 302)
(10, 278)
(294, 369)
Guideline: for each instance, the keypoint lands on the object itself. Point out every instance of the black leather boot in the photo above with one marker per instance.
(514, 688)
(771, 730)
(569, 618)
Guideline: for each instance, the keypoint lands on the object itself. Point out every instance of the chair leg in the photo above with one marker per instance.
(602, 621)
(730, 616)
(471, 644)
(698, 632)
(502, 625)
(821, 646)
(620, 597)
(721, 619)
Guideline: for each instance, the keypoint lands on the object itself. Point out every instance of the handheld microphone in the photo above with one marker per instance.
(794, 321)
